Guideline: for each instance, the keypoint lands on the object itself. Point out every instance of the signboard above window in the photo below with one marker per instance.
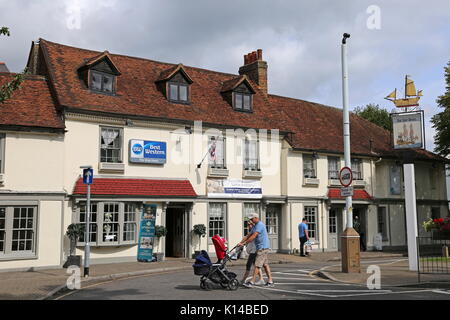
(148, 152)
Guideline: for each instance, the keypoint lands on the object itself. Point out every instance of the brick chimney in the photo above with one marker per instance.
(256, 69)
(3, 67)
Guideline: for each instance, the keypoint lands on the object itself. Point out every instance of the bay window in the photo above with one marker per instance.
(18, 231)
(111, 223)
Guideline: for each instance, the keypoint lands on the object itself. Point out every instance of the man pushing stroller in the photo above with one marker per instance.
(261, 238)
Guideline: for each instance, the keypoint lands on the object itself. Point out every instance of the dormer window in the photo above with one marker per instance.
(239, 93)
(100, 74)
(175, 84)
(178, 89)
(242, 101)
(102, 82)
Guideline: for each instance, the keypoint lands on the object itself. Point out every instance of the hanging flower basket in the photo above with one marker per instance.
(440, 228)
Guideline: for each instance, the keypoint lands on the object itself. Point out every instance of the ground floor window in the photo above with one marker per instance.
(311, 217)
(111, 223)
(217, 218)
(249, 208)
(17, 231)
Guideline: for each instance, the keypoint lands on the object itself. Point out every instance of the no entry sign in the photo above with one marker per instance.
(346, 176)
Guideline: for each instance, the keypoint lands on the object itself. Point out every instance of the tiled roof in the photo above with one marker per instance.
(314, 126)
(320, 128)
(233, 83)
(137, 187)
(30, 106)
(357, 195)
(138, 94)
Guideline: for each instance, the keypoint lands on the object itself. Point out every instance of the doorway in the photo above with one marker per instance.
(273, 215)
(335, 228)
(361, 214)
(175, 232)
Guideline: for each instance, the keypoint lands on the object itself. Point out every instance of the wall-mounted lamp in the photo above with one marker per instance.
(188, 130)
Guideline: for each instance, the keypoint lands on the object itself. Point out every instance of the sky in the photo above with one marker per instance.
(300, 40)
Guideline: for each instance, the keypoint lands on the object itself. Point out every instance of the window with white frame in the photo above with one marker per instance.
(111, 145)
(216, 147)
(217, 218)
(382, 222)
(111, 223)
(102, 82)
(251, 155)
(333, 167)
(309, 166)
(311, 220)
(2, 152)
(357, 169)
(17, 231)
(249, 208)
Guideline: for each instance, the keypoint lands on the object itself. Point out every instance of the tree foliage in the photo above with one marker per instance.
(375, 114)
(441, 121)
(7, 90)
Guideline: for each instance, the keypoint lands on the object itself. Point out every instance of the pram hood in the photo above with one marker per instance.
(219, 246)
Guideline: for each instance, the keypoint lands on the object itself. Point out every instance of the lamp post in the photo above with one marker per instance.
(88, 174)
(350, 238)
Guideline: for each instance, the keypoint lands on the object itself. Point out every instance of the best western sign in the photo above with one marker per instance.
(150, 152)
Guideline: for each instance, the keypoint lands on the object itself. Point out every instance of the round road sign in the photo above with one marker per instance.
(346, 176)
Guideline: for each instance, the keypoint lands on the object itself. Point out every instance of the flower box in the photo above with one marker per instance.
(440, 235)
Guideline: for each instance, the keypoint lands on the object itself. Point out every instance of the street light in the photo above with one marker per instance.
(87, 179)
(350, 238)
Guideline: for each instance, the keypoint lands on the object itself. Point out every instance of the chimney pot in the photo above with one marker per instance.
(260, 54)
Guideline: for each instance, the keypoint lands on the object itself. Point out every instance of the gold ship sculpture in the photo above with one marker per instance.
(412, 96)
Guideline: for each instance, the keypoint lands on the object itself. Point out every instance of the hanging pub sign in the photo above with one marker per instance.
(408, 130)
(148, 152)
(147, 233)
(234, 189)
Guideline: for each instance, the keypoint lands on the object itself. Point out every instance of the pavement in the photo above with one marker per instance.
(44, 284)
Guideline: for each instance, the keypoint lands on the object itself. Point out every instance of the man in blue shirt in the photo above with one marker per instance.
(261, 238)
(303, 235)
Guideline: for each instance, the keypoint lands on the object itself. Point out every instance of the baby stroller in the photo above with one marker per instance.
(216, 272)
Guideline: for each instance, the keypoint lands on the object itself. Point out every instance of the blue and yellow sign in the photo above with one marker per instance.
(148, 152)
(147, 233)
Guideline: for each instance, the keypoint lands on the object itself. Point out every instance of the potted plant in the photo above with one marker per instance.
(74, 232)
(440, 228)
(200, 231)
(160, 231)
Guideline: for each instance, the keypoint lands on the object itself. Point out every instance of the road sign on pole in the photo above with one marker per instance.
(88, 178)
(346, 176)
(347, 192)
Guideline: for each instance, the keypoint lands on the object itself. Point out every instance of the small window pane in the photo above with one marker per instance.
(238, 101)
(183, 93)
(247, 105)
(173, 92)
(107, 83)
(96, 81)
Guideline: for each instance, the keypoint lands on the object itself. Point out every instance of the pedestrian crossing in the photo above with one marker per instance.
(303, 282)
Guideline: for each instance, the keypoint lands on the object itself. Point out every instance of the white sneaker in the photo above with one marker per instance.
(260, 282)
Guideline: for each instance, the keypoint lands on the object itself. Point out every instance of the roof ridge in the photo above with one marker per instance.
(141, 58)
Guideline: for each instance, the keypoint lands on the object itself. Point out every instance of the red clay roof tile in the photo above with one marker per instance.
(137, 187)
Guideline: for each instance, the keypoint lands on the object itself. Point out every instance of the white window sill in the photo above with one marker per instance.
(218, 172)
(13, 257)
(359, 183)
(334, 182)
(252, 174)
(111, 167)
(115, 244)
(311, 182)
